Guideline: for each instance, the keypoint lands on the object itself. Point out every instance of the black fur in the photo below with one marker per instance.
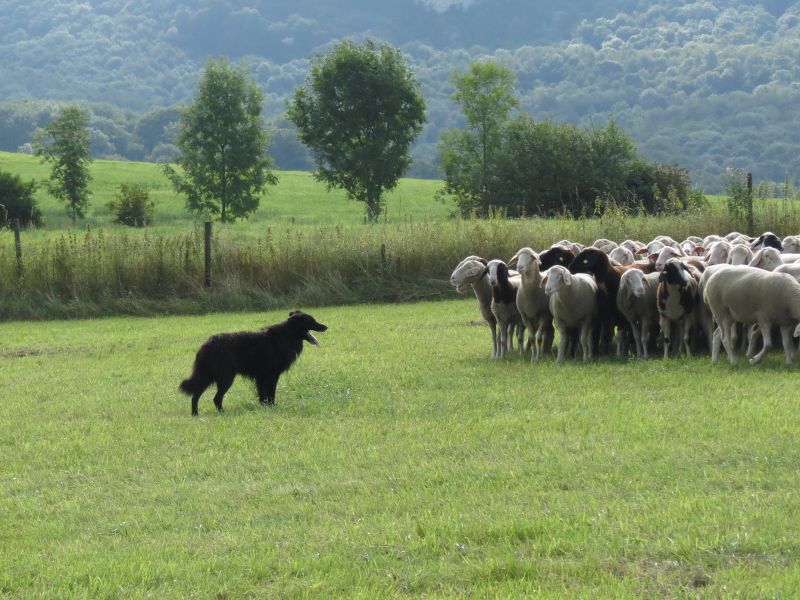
(767, 240)
(259, 355)
(556, 255)
(504, 292)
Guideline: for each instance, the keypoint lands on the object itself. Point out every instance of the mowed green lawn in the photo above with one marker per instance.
(399, 460)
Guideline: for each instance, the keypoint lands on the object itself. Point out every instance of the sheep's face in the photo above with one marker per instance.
(767, 259)
(526, 260)
(666, 253)
(556, 255)
(496, 269)
(466, 273)
(675, 273)
(634, 279)
(791, 244)
(557, 277)
(591, 260)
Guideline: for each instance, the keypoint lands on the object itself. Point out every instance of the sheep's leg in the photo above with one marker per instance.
(531, 329)
(716, 340)
(687, 336)
(766, 334)
(547, 336)
(637, 335)
(563, 340)
(788, 345)
(521, 338)
(752, 339)
(495, 348)
(730, 347)
(503, 339)
(643, 339)
(665, 332)
(586, 341)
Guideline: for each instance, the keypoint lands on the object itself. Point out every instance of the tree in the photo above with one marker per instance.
(65, 143)
(132, 205)
(222, 142)
(485, 94)
(17, 201)
(359, 114)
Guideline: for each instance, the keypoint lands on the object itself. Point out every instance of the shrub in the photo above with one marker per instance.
(17, 201)
(132, 206)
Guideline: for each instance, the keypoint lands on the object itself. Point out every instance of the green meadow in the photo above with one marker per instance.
(399, 460)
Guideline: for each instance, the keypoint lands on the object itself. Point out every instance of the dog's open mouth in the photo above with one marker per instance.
(310, 338)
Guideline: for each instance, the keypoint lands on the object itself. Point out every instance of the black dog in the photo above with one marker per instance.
(260, 355)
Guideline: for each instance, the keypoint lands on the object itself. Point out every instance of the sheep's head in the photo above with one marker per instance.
(675, 273)
(523, 260)
(622, 255)
(791, 244)
(634, 281)
(667, 252)
(556, 255)
(767, 240)
(497, 271)
(468, 271)
(718, 252)
(557, 277)
(740, 255)
(767, 258)
(590, 260)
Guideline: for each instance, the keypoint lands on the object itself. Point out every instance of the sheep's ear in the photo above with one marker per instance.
(566, 277)
(699, 251)
(484, 261)
(640, 251)
(652, 257)
(512, 262)
(543, 282)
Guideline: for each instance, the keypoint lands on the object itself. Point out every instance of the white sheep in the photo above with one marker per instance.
(636, 300)
(665, 254)
(740, 254)
(604, 244)
(791, 244)
(532, 303)
(792, 269)
(767, 259)
(471, 272)
(573, 304)
(738, 294)
(622, 256)
(717, 252)
(504, 305)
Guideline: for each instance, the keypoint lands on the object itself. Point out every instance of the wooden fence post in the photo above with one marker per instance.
(208, 253)
(18, 247)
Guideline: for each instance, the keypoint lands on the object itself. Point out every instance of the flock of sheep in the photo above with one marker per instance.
(699, 294)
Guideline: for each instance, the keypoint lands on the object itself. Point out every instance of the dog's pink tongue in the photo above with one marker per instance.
(312, 339)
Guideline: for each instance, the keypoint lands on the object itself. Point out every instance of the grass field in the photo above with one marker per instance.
(399, 461)
(296, 199)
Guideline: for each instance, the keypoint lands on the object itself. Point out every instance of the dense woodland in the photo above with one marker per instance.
(707, 85)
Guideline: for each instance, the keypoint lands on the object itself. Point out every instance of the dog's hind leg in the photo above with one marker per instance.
(224, 383)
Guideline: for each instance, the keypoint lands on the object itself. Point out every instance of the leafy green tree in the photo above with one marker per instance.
(222, 142)
(132, 205)
(17, 201)
(65, 143)
(485, 94)
(359, 114)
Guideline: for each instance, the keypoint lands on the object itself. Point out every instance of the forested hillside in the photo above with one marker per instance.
(707, 84)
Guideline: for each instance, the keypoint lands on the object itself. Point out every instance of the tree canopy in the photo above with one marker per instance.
(222, 142)
(64, 143)
(359, 114)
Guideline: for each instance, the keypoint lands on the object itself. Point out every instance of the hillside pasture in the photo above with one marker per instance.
(399, 460)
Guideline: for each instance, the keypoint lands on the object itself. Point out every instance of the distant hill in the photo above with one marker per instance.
(705, 84)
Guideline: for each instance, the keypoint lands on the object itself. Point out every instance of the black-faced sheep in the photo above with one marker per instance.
(556, 255)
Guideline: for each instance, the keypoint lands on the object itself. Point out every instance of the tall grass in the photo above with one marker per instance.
(98, 272)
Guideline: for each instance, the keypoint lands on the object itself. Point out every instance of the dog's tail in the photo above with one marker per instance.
(192, 385)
